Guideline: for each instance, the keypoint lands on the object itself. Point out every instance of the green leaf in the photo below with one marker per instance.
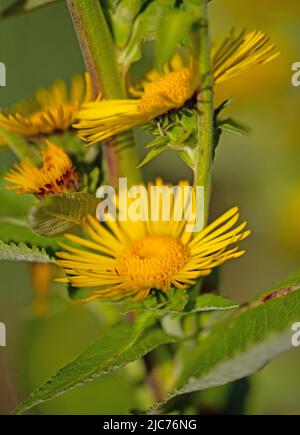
(21, 6)
(144, 29)
(178, 303)
(153, 153)
(174, 26)
(210, 302)
(123, 18)
(242, 343)
(22, 252)
(227, 124)
(176, 131)
(117, 347)
(188, 156)
(57, 214)
(232, 126)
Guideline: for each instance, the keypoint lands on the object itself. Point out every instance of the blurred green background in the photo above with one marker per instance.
(259, 172)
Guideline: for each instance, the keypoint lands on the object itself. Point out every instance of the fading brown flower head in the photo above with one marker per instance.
(56, 175)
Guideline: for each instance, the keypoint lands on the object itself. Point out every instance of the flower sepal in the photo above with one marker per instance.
(177, 131)
(180, 303)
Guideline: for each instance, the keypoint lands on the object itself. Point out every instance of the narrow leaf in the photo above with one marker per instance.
(22, 252)
(153, 153)
(232, 126)
(188, 157)
(116, 347)
(243, 343)
(123, 18)
(211, 302)
(179, 304)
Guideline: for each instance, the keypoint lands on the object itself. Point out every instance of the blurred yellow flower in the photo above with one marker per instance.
(41, 277)
(160, 93)
(56, 175)
(128, 258)
(288, 223)
(51, 110)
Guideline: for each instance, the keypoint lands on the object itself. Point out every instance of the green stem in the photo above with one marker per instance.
(99, 54)
(205, 109)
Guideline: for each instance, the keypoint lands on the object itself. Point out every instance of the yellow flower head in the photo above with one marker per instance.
(160, 93)
(56, 175)
(121, 259)
(52, 109)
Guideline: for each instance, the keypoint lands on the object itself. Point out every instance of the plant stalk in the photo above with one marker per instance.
(100, 58)
(205, 111)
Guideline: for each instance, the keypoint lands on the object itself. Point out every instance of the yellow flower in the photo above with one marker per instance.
(160, 93)
(41, 277)
(52, 109)
(239, 53)
(56, 175)
(121, 259)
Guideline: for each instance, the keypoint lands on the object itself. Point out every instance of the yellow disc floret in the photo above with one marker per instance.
(153, 261)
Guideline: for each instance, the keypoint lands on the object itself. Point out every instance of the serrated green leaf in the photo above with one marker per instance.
(116, 348)
(59, 213)
(22, 252)
(243, 343)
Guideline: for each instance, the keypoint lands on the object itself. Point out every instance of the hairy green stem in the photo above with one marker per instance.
(99, 54)
(205, 109)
